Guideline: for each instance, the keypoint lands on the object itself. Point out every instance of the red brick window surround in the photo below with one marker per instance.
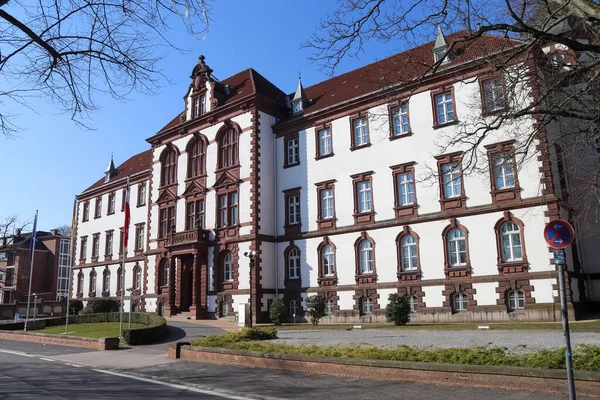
(510, 245)
(364, 256)
(364, 207)
(399, 120)
(86, 211)
(292, 262)
(359, 127)
(326, 218)
(292, 151)
(409, 261)
(503, 172)
(443, 103)
(293, 223)
(142, 194)
(196, 151)
(111, 203)
(326, 252)
(452, 187)
(195, 215)
(98, 207)
(405, 193)
(166, 221)
(227, 139)
(168, 160)
(457, 261)
(493, 94)
(227, 212)
(323, 141)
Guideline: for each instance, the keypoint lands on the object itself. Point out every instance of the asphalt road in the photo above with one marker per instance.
(27, 377)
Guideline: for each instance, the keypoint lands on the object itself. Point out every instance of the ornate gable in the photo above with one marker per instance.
(226, 179)
(166, 195)
(195, 188)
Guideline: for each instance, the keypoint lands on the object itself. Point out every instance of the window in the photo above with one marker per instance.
(444, 108)
(111, 203)
(363, 198)
(408, 250)
(405, 189)
(365, 203)
(202, 105)
(141, 200)
(460, 302)
(510, 235)
(108, 246)
(452, 180)
(366, 257)
(121, 235)
(196, 158)
(294, 264)
(228, 148)
(98, 209)
(95, 246)
(83, 251)
(139, 237)
(224, 308)
(64, 269)
(223, 210)
(80, 282)
(328, 306)
(325, 143)
(195, 215)
(167, 221)
(168, 166)
(93, 282)
(106, 281)
(165, 273)
(292, 152)
(399, 121)
(198, 106)
(360, 132)
(504, 175)
(86, 211)
(457, 248)
(516, 300)
(327, 203)
(120, 279)
(293, 308)
(328, 258)
(228, 268)
(233, 208)
(123, 195)
(413, 301)
(137, 278)
(293, 206)
(367, 305)
(228, 209)
(493, 95)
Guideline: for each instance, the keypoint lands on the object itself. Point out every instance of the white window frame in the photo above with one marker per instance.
(454, 247)
(452, 180)
(142, 194)
(328, 260)
(444, 108)
(493, 95)
(293, 308)
(406, 188)
(293, 151)
(516, 300)
(325, 145)
(504, 172)
(228, 268)
(293, 210)
(360, 131)
(366, 257)
(413, 301)
(233, 208)
(327, 205)
(329, 306)
(366, 305)
(400, 120)
(460, 302)
(365, 197)
(294, 264)
(408, 259)
(510, 241)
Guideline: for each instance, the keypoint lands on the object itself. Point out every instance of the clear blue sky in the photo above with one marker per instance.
(55, 159)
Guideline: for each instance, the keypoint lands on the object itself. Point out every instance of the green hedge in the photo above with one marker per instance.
(154, 331)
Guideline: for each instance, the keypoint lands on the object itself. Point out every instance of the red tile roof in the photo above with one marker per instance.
(138, 163)
(399, 68)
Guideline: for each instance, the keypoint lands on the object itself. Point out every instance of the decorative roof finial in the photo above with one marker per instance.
(111, 171)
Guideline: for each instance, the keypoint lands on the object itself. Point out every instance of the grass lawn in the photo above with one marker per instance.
(579, 326)
(91, 330)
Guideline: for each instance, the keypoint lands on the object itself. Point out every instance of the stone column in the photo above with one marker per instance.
(170, 306)
(178, 282)
(194, 307)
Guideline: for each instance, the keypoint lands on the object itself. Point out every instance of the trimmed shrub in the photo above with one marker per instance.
(398, 309)
(315, 308)
(98, 306)
(229, 339)
(278, 312)
(155, 331)
(75, 306)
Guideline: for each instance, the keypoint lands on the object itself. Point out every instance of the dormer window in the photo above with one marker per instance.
(438, 54)
(440, 48)
(297, 107)
(198, 106)
(299, 100)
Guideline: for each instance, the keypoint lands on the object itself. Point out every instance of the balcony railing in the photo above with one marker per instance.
(185, 237)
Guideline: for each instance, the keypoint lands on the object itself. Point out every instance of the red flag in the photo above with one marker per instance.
(127, 216)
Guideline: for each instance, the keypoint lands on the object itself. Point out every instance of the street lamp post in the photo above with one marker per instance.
(250, 255)
(34, 305)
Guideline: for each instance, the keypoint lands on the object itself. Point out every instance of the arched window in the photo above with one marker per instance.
(366, 257)
(228, 268)
(93, 282)
(413, 301)
(106, 280)
(460, 302)
(120, 279)
(328, 259)
(80, 280)
(228, 148)
(137, 278)
(516, 300)
(165, 273)
(457, 248)
(510, 239)
(408, 253)
(293, 308)
(328, 306)
(196, 158)
(294, 263)
(224, 308)
(367, 305)
(168, 161)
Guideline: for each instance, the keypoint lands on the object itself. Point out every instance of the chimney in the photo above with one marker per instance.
(18, 233)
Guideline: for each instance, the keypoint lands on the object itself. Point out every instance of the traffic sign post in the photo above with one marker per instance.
(559, 234)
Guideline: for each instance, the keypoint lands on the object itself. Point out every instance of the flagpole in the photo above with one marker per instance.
(31, 258)
(71, 257)
(125, 237)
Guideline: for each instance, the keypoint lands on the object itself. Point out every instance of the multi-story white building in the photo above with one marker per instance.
(340, 189)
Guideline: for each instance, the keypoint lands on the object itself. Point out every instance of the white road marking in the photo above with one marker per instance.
(17, 353)
(175, 386)
(47, 359)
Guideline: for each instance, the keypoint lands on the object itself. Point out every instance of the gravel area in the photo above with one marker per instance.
(441, 339)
